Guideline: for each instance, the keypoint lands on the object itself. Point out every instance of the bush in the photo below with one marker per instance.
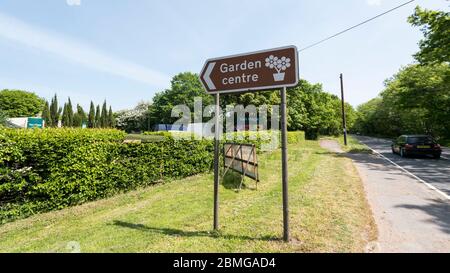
(296, 137)
(42, 170)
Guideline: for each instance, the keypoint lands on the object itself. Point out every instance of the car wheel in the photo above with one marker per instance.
(438, 156)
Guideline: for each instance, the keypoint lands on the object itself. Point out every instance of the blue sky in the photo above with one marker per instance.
(125, 51)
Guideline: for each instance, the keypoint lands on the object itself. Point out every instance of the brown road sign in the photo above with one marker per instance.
(266, 69)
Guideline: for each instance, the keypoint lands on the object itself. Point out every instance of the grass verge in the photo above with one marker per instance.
(353, 145)
(328, 213)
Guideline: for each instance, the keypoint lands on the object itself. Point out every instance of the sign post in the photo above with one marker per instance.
(284, 166)
(261, 70)
(216, 164)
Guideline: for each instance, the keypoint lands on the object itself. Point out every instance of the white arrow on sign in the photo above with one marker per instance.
(206, 77)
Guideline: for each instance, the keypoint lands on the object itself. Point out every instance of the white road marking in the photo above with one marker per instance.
(411, 174)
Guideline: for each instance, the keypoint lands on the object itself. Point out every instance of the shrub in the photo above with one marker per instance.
(42, 170)
(296, 137)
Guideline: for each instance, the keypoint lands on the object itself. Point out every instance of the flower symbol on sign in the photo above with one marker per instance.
(279, 64)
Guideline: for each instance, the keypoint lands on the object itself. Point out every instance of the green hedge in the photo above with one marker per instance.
(42, 170)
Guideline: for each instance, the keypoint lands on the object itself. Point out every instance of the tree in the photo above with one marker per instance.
(55, 111)
(435, 25)
(184, 88)
(79, 117)
(366, 120)
(316, 112)
(82, 114)
(70, 113)
(18, 103)
(425, 92)
(91, 118)
(65, 116)
(111, 120)
(46, 115)
(133, 120)
(104, 116)
(77, 122)
(416, 100)
(98, 118)
(3, 118)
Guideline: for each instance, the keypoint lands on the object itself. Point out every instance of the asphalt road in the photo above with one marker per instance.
(432, 171)
(410, 215)
(446, 153)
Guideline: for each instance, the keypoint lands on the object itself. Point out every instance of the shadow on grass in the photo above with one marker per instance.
(232, 180)
(360, 151)
(345, 153)
(182, 233)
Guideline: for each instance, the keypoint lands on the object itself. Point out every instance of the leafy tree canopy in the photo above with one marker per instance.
(18, 103)
(184, 88)
(435, 25)
(415, 101)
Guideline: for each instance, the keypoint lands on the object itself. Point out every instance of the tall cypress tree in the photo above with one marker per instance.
(65, 116)
(78, 117)
(70, 113)
(111, 121)
(77, 120)
(82, 114)
(46, 115)
(104, 116)
(97, 117)
(54, 111)
(91, 118)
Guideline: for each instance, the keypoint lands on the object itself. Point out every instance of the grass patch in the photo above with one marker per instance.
(353, 145)
(328, 213)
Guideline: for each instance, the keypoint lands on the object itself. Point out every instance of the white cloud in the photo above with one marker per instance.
(77, 52)
(374, 2)
(73, 2)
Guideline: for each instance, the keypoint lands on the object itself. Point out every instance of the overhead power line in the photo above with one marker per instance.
(355, 26)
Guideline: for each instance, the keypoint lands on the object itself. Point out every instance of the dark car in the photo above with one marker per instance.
(407, 145)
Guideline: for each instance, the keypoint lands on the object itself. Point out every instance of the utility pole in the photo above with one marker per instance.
(344, 122)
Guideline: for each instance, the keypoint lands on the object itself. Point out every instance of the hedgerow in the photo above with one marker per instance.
(42, 170)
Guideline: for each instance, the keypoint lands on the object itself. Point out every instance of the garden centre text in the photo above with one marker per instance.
(244, 78)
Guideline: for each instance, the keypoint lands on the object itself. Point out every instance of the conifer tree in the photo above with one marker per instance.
(91, 118)
(97, 117)
(104, 116)
(46, 115)
(111, 120)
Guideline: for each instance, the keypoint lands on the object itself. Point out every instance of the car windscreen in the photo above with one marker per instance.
(414, 140)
